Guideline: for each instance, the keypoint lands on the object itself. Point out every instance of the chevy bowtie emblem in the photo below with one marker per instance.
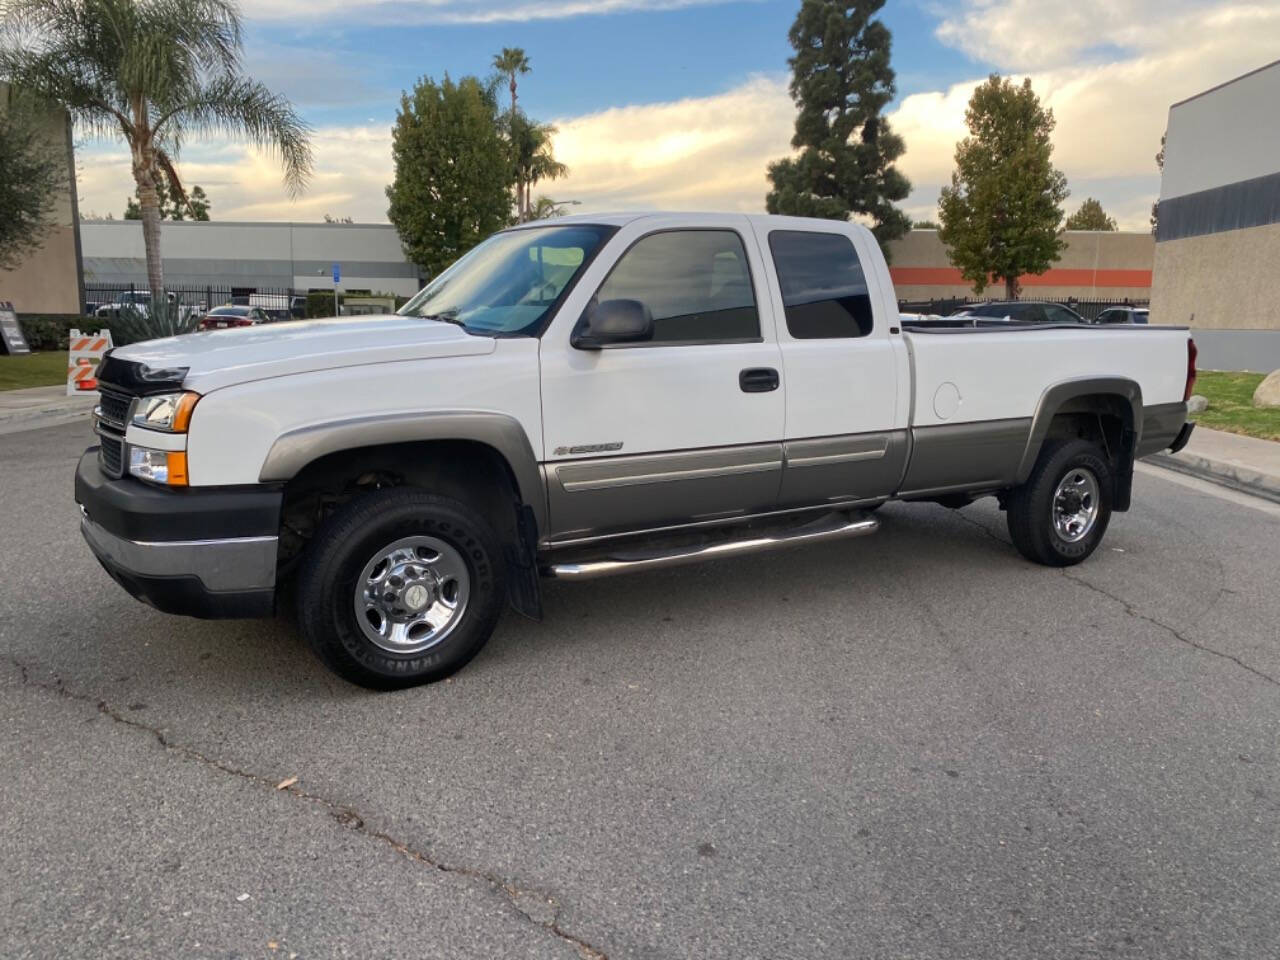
(589, 448)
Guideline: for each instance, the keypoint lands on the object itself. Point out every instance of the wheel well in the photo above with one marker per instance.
(1106, 420)
(466, 470)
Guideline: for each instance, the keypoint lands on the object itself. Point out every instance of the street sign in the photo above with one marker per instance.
(337, 273)
(10, 331)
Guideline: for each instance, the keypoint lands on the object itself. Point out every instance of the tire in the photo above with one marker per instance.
(376, 607)
(1058, 517)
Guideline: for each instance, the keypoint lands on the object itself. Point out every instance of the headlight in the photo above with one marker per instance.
(159, 466)
(170, 412)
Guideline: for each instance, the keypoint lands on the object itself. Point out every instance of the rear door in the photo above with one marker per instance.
(844, 362)
(686, 427)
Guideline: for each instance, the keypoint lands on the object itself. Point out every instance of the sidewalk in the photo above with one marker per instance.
(42, 407)
(1243, 463)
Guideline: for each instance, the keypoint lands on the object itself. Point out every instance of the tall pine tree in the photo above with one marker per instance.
(841, 81)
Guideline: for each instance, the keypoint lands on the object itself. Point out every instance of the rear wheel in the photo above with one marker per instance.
(1058, 517)
(400, 587)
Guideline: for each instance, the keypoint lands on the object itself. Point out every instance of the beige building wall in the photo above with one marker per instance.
(1094, 265)
(1226, 281)
(48, 280)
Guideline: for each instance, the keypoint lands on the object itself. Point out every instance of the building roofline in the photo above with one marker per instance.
(245, 223)
(1226, 83)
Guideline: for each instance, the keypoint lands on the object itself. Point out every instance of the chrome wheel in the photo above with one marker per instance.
(412, 594)
(1075, 504)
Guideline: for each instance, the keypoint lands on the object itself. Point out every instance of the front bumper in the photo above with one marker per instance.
(202, 553)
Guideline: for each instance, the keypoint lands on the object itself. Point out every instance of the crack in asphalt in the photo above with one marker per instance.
(1137, 614)
(343, 815)
(1173, 632)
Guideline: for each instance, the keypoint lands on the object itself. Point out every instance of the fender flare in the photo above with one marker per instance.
(1057, 395)
(296, 448)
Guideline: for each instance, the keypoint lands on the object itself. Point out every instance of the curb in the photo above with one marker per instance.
(1222, 473)
(34, 418)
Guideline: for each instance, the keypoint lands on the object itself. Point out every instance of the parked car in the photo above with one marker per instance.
(1023, 311)
(233, 315)
(1122, 315)
(140, 302)
(592, 396)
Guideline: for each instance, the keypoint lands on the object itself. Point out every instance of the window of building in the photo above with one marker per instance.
(824, 291)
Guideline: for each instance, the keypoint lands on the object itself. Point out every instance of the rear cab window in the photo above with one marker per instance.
(824, 289)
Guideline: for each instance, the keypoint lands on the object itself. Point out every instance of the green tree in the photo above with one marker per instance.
(924, 225)
(532, 160)
(544, 208)
(33, 178)
(175, 204)
(1090, 216)
(841, 80)
(452, 171)
(1001, 214)
(511, 62)
(153, 73)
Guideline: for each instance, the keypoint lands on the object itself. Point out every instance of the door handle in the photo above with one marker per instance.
(758, 380)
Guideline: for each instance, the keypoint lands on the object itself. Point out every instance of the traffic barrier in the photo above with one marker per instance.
(87, 351)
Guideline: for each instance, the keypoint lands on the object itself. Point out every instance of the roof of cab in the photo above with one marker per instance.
(622, 218)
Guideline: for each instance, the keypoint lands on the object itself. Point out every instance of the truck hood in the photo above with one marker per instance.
(221, 358)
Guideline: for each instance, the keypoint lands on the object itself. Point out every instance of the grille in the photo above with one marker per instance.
(115, 407)
(111, 455)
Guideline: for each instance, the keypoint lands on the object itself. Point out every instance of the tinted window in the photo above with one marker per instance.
(696, 283)
(824, 291)
(1059, 314)
(993, 310)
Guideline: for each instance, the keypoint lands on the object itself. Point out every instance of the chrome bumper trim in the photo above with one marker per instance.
(223, 566)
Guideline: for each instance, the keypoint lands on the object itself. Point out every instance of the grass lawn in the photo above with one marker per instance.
(1231, 408)
(33, 369)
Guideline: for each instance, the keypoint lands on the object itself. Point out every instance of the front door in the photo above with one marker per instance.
(683, 428)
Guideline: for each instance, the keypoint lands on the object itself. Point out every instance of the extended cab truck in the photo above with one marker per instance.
(592, 396)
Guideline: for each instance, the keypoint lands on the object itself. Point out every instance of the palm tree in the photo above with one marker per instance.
(154, 73)
(531, 160)
(510, 62)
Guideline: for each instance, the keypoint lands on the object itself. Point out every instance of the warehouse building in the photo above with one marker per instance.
(251, 258)
(1095, 265)
(1217, 255)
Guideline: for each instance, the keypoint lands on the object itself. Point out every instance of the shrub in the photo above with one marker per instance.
(44, 332)
(134, 324)
(320, 303)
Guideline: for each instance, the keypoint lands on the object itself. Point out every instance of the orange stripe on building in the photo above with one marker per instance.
(1057, 277)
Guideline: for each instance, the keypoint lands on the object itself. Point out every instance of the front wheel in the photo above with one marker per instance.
(400, 587)
(1058, 517)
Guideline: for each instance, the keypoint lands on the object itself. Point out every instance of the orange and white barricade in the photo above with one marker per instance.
(87, 351)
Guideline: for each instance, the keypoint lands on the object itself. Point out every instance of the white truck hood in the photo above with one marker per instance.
(221, 358)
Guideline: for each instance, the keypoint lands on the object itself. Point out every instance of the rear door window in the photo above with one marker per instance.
(824, 290)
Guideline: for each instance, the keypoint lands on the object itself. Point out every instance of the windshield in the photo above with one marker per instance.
(507, 284)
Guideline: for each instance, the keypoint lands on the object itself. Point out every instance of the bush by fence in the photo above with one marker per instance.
(51, 332)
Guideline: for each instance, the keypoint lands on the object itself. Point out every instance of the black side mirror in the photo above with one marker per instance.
(613, 322)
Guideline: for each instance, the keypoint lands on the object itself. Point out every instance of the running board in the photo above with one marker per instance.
(836, 526)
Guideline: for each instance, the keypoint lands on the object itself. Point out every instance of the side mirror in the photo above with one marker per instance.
(613, 322)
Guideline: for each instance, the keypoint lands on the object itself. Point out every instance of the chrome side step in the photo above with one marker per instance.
(835, 526)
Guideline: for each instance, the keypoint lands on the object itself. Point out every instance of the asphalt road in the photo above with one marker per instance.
(913, 745)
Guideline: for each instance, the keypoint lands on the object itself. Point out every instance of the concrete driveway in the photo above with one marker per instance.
(910, 745)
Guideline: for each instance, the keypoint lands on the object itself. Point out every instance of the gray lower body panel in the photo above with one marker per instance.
(1161, 424)
(619, 494)
(852, 468)
(965, 457)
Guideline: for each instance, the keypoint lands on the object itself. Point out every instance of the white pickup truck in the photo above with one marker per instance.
(591, 396)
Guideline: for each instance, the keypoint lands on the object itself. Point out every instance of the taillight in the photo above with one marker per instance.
(1191, 370)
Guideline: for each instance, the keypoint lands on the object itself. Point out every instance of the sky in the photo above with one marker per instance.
(681, 104)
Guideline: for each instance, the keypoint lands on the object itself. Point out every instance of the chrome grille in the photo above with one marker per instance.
(113, 407)
(111, 455)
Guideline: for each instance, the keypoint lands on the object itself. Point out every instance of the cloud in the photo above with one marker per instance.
(412, 12)
(711, 152)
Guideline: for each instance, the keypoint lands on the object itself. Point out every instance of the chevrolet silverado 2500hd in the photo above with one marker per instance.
(587, 397)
